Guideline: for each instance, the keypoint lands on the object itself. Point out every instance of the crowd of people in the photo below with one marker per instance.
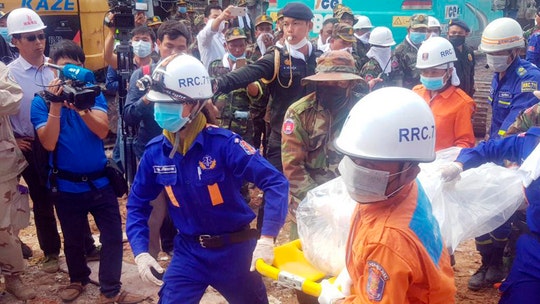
(221, 105)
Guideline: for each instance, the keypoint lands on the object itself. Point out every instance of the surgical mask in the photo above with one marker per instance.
(365, 185)
(331, 97)
(4, 33)
(417, 37)
(365, 38)
(299, 45)
(182, 9)
(498, 63)
(433, 83)
(142, 48)
(234, 59)
(347, 49)
(457, 40)
(169, 116)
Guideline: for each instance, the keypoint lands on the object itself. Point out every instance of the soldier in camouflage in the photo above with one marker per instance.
(344, 14)
(321, 40)
(264, 38)
(406, 51)
(382, 69)
(362, 31)
(342, 38)
(311, 124)
(234, 106)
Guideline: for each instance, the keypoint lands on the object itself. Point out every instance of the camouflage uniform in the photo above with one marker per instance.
(372, 69)
(235, 106)
(253, 52)
(308, 132)
(405, 54)
(527, 119)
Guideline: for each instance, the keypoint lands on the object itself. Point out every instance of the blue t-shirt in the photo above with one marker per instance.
(78, 149)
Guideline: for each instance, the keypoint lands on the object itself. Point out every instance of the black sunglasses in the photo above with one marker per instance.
(34, 37)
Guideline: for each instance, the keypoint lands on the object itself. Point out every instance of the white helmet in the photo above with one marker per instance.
(180, 78)
(24, 20)
(433, 52)
(502, 34)
(363, 23)
(381, 36)
(433, 22)
(392, 124)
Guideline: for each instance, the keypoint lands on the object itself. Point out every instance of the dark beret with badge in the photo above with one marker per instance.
(298, 11)
(460, 23)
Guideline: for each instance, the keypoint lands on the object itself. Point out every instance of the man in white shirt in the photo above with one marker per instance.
(211, 38)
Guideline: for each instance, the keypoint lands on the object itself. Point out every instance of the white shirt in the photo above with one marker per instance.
(210, 44)
(32, 81)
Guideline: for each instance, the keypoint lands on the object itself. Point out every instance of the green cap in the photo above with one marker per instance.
(235, 33)
(343, 31)
(156, 20)
(263, 19)
(418, 21)
(334, 66)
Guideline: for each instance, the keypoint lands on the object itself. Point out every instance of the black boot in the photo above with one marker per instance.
(478, 279)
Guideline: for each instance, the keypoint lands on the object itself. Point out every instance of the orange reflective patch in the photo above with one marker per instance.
(215, 194)
(171, 196)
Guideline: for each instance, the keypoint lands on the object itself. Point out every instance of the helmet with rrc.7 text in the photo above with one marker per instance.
(389, 124)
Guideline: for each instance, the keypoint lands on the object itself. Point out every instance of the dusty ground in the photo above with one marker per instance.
(47, 285)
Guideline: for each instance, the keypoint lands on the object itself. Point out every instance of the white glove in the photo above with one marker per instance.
(451, 172)
(329, 293)
(343, 282)
(264, 250)
(144, 264)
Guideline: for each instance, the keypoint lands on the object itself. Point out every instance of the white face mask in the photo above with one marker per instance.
(142, 48)
(363, 184)
(299, 45)
(498, 63)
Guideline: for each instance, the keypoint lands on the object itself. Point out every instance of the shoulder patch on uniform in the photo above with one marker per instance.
(249, 149)
(529, 86)
(521, 71)
(167, 169)
(376, 281)
(288, 126)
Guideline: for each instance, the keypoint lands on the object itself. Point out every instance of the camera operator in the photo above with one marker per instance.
(27, 31)
(71, 133)
(173, 37)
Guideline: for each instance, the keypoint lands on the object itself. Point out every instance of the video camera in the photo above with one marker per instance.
(77, 91)
(123, 11)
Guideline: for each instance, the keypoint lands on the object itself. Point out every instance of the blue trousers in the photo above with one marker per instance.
(72, 210)
(226, 269)
(523, 283)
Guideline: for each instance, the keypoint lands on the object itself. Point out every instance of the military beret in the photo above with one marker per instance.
(235, 33)
(459, 23)
(419, 21)
(297, 10)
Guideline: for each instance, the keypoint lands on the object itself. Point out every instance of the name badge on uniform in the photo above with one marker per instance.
(169, 169)
(505, 95)
(529, 86)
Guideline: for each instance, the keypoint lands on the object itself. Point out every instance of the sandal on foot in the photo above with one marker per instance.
(71, 292)
(123, 297)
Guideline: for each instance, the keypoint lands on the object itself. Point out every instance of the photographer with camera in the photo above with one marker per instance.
(70, 129)
(28, 36)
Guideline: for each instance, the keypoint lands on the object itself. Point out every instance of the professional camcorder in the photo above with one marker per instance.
(78, 87)
(123, 12)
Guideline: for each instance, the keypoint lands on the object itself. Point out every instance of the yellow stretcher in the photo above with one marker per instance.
(291, 269)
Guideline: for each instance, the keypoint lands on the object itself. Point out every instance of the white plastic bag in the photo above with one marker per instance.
(323, 219)
(482, 200)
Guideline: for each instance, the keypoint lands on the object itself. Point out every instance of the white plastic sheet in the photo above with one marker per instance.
(483, 199)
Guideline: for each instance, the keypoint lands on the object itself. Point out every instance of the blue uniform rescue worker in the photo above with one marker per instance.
(201, 168)
(523, 282)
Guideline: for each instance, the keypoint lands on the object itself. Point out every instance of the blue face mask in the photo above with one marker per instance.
(417, 37)
(432, 83)
(4, 33)
(182, 9)
(169, 116)
(231, 57)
